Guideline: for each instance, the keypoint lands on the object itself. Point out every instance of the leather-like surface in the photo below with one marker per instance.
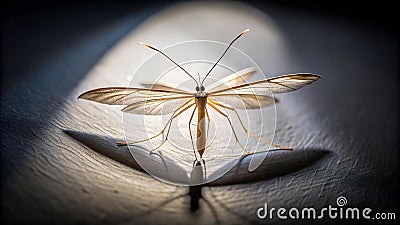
(59, 163)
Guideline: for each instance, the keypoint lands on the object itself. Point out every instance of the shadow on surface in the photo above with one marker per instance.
(105, 146)
(276, 163)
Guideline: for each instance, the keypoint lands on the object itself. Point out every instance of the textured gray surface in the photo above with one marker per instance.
(59, 164)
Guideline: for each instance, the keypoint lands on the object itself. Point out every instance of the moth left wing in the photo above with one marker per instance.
(275, 85)
(162, 106)
(127, 95)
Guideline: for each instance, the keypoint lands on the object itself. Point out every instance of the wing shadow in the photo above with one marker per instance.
(106, 146)
(276, 163)
(160, 166)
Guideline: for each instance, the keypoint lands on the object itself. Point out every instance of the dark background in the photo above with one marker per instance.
(28, 25)
(34, 31)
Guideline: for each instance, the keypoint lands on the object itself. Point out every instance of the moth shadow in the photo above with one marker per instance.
(105, 146)
(275, 163)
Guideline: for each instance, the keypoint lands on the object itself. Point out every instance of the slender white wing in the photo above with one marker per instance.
(127, 95)
(139, 101)
(233, 79)
(244, 101)
(156, 106)
(275, 85)
(163, 86)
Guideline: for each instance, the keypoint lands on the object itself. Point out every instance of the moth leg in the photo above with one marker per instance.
(190, 132)
(204, 165)
(162, 143)
(208, 123)
(205, 169)
(258, 137)
(230, 123)
(120, 143)
(169, 128)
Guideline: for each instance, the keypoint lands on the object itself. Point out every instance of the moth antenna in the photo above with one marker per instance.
(162, 53)
(241, 33)
(198, 74)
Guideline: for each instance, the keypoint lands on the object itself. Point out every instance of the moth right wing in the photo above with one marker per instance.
(244, 101)
(233, 79)
(259, 94)
(127, 95)
(275, 85)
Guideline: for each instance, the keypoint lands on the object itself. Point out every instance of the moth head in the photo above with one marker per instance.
(201, 88)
